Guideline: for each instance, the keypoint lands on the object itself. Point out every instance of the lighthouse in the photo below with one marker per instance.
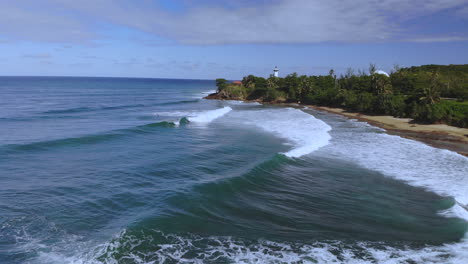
(275, 71)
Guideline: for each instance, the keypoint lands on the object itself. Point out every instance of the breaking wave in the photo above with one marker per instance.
(208, 116)
(303, 131)
(438, 170)
(203, 94)
(172, 248)
(197, 116)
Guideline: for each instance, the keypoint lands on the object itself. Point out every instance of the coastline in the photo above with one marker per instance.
(436, 135)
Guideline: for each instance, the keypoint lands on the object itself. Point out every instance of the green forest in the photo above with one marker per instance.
(427, 94)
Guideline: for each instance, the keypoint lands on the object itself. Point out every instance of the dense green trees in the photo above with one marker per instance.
(221, 84)
(429, 93)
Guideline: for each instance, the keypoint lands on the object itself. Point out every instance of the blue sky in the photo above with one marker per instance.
(207, 39)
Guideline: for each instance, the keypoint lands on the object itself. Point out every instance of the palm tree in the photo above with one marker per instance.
(372, 68)
(305, 86)
(248, 82)
(272, 82)
(349, 73)
(432, 92)
(382, 84)
(396, 68)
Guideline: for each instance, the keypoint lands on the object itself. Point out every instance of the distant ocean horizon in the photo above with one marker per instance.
(102, 77)
(144, 170)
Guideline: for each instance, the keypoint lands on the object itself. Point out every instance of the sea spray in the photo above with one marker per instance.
(208, 116)
(203, 94)
(197, 116)
(176, 248)
(303, 131)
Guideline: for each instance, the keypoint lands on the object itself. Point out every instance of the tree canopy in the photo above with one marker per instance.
(428, 93)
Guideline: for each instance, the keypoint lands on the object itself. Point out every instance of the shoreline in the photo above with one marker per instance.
(436, 135)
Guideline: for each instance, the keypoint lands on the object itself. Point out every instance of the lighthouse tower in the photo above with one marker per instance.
(275, 72)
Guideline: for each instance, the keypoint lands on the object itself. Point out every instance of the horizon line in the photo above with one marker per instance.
(117, 77)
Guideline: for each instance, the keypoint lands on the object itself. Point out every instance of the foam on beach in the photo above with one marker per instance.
(438, 170)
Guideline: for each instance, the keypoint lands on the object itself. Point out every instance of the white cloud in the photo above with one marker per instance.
(292, 21)
(18, 22)
(437, 39)
(38, 56)
(282, 21)
(300, 21)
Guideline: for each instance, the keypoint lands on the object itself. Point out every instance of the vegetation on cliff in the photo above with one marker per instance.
(429, 93)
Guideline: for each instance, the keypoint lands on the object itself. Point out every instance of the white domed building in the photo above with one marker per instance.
(382, 72)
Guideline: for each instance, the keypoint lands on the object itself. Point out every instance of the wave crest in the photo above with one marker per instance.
(208, 116)
(303, 131)
(88, 139)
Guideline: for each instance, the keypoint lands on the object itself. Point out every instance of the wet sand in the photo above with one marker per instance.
(437, 135)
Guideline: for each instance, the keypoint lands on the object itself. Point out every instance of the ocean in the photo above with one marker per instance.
(127, 170)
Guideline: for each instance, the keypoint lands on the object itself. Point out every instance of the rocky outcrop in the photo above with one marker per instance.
(223, 95)
(215, 96)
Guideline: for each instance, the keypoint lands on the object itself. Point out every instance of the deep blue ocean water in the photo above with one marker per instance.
(125, 170)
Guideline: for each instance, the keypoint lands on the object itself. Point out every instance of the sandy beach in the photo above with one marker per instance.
(437, 135)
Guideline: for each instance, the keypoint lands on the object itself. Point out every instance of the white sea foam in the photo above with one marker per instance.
(176, 249)
(301, 130)
(234, 102)
(208, 116)
(203, 94)
(441, 171)
(197, 116)
(209, 92)
(438, 170)
(176, 113)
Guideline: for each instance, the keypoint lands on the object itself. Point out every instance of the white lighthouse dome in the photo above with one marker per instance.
(382, 72)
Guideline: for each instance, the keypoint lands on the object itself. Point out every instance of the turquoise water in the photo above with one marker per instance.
(116, 170)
